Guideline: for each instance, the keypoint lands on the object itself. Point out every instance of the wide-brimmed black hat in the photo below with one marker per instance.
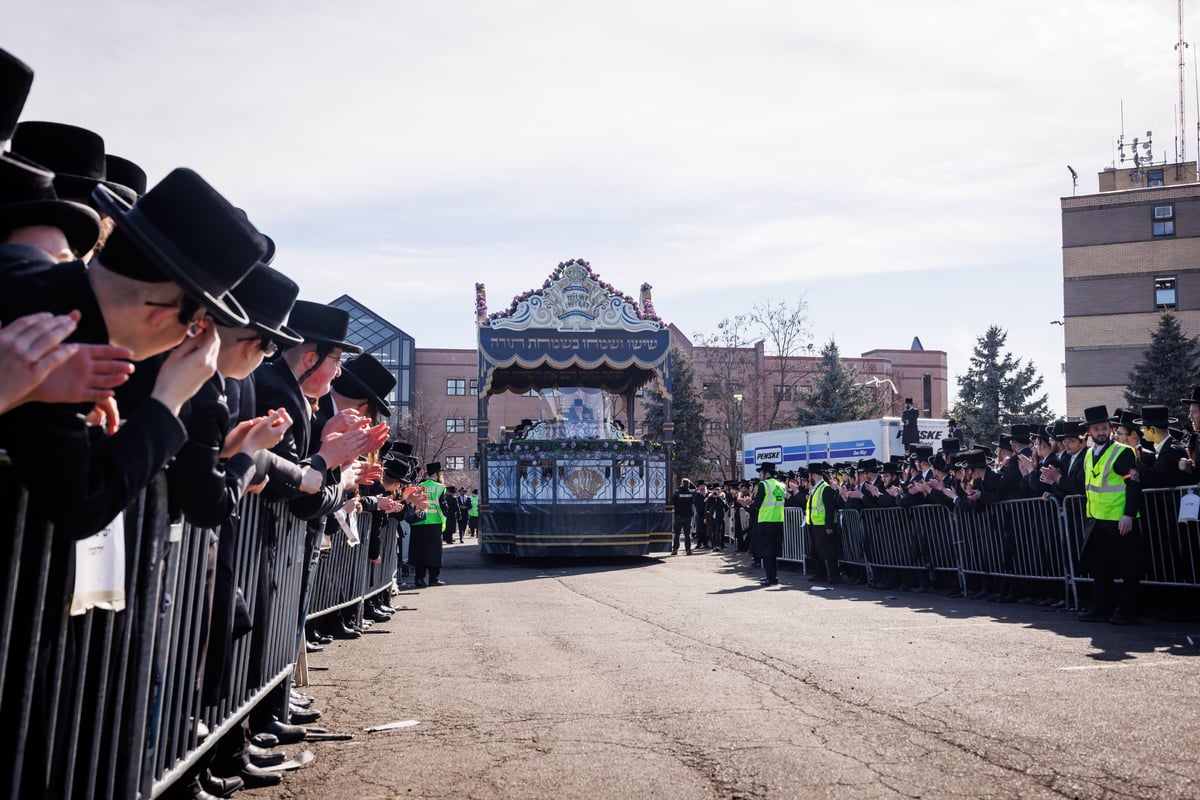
(322, 324)
(124, 172)
(1041, 433)
(15, 79)
(185, 228)
(923, 452)
(364, 378)
(433, 467)
(1003, 442)
(1124, 418)
(1094, 415)
(974, 458)
(908, 401)
(1070, 429)
(765, 466)
(951, 445)
(940, 462)
(267, 296)
(869, 465)
(1195, 398)
(75, 155)
(890, 468)
(27, 197)
(1019, 433)
(1156, 417)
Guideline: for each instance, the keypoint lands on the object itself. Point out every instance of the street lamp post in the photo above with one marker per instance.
(739, 454)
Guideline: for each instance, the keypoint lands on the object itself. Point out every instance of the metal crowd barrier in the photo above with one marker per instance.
(347, 575)
(1031, 539)
(108, 704)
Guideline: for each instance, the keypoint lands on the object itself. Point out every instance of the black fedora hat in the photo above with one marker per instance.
(267, 296)
(1156, 417)
(869, 465)
(951, 445)
(975, 458)
(1123, 418)
(890, 468)
(322, 324)
(15, 79)
(75, 155)
(923, 452)
(27, 197)
(1071, 429)
(123, 172)
(1195, 398)
(433, 468)
(766, 466)
(1019, 433)
(185, 228)
(1094, 415)
(364, 378)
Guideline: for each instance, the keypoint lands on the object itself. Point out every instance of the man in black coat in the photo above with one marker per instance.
(909, 432)
(1162, 455)
(682, 501)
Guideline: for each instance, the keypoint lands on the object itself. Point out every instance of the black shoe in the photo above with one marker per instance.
(304, 716)
(312, 647)
(437, 582)
(261, 757)
(385, 608)
(346, 632)
(323, 638)
(375, 614)
(264, 740)
(299, 701)
(193, 790)
(221, 787)
(420, 584)
(283, 733)
(257, 777)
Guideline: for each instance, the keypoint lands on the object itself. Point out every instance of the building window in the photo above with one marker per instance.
(1164, 220)
(455, 462)
(785, 392)
(1154, 177)
(1164, 294)
(473, 426)
(474, 461)
(638, 428)
(474, 387)
(456, 425)
(456, 387)
(712, 427)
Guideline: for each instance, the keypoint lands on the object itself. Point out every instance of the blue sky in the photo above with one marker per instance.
(899, 164)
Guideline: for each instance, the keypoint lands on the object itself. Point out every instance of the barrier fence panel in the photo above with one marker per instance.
(795, 546)
(854, 544)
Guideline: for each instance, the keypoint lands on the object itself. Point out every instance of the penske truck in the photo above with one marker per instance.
(794, 448)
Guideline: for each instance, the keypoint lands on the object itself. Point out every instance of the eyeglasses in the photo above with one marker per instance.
(188, 308)
(265, 343)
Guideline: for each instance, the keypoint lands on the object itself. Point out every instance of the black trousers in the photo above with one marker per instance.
(683, 525)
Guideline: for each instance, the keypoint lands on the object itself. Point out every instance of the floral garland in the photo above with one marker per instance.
(552, 448)
(480, 304)
(643, 310)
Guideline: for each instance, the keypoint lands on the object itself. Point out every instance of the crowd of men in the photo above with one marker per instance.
(146, 329)
(1109, 459)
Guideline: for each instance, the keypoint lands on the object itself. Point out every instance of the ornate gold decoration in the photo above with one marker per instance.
(585, 483)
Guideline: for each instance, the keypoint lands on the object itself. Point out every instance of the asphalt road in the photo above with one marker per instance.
(678, 677)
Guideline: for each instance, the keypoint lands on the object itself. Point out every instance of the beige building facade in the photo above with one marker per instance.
(1130, 252)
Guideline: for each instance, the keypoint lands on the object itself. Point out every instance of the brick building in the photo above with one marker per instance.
(1130, 252)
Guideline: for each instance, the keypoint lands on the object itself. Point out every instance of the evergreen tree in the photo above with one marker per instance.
(835, 394)
(687, 412)
(1168, 371)
(997, 390)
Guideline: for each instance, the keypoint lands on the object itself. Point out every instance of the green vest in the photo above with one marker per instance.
(815, 513)
(1105, 488)
(774, 494)
(433, 514)
(473, 509)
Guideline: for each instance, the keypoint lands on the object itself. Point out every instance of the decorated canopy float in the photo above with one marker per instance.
(573, 482)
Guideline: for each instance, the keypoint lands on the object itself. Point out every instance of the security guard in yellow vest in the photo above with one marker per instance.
(473, 514)
(425, 545)
(767, 508)
(821, 516)
(1112, 543)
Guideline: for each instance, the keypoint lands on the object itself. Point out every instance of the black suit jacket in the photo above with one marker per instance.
(78, 477)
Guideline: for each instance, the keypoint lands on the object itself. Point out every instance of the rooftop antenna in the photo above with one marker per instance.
(1074, 179)
(1181, 46)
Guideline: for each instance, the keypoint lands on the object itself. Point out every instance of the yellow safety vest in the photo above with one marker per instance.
(816, 505)
(774, 494)
(433, 514)
(1105, 488)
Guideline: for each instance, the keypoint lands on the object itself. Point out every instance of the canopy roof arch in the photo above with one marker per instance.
(576, 330)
